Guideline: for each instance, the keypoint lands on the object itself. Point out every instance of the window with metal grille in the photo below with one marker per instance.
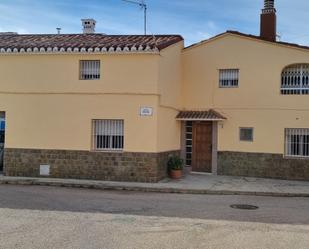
(297, 142)
(228, 77)
(108, 135)
(246, 134)
(295, 80)
(89, 70)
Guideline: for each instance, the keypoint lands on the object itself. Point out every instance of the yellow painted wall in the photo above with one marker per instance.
(170, 89)
(168, 130)
(60, 73)
(64, 121)
(257, 101)
(170, 76)
(48, 107)
(269, 127)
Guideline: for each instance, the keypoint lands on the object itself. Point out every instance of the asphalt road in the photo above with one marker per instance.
(46, 217)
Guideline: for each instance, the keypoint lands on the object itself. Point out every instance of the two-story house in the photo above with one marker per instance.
(96, 106)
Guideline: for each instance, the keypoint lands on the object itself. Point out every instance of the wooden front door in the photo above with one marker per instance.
(202, 147)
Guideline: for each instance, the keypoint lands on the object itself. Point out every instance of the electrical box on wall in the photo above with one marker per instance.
(44, 170)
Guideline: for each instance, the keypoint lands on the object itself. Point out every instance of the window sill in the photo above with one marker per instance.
(227, 87)
(295, 157)
(108, 151)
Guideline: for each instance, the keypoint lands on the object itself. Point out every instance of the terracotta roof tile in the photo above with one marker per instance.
(87, 42)
(210, 115)
(260, 38)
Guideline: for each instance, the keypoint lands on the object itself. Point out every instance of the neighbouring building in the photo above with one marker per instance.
(96, 106)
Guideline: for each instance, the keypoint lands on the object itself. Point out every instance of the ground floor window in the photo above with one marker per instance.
(108, 135)
(188, 143)
(246, 134)
(297, 142)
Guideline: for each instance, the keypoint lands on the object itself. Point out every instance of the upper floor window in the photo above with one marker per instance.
(89, 70)
(108, 134)
(228, 77)
(297, 142)
(295, 80)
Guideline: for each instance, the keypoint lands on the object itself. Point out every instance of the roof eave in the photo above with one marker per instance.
(249, 37)
(198, 44)
(200, 119)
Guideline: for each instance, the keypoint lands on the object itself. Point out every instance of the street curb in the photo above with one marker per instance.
(121, 187)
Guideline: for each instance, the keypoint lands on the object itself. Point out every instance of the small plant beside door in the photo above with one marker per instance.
(175, 167)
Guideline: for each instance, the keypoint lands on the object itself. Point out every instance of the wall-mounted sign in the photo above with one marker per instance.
(146, 111)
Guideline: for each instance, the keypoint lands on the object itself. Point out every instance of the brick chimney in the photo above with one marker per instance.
(269, 21)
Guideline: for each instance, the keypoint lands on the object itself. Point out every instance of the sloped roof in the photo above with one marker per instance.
(14, 43)
(210, 115)
(252, 37)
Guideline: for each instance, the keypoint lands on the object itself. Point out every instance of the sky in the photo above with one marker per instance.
(195, 20)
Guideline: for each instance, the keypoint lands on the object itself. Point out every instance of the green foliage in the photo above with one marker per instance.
(175, 163)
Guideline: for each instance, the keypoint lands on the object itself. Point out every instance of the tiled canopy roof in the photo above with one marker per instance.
(91, 43)
(210, 115)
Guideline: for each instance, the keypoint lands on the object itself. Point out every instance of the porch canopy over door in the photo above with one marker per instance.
(210, 115)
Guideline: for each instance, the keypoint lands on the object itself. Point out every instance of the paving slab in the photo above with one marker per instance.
(190, 184)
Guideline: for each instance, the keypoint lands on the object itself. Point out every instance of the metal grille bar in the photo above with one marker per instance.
(297, 142)
(295, 80)
(89, 70)
(108, 134)
(228, 77)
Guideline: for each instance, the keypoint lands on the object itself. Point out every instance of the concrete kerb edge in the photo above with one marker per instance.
(120, 187)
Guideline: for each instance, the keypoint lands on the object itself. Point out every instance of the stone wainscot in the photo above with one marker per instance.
(116, 166)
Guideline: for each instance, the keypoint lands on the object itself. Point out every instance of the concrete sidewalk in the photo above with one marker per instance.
(190, 184)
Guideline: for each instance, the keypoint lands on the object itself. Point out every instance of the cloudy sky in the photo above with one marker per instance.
(195, 20)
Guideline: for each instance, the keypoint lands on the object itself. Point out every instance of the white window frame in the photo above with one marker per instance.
(227, 76)
(107, 134)
(89, 69)
(299, 148)
(246, 128)
(295, 80)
